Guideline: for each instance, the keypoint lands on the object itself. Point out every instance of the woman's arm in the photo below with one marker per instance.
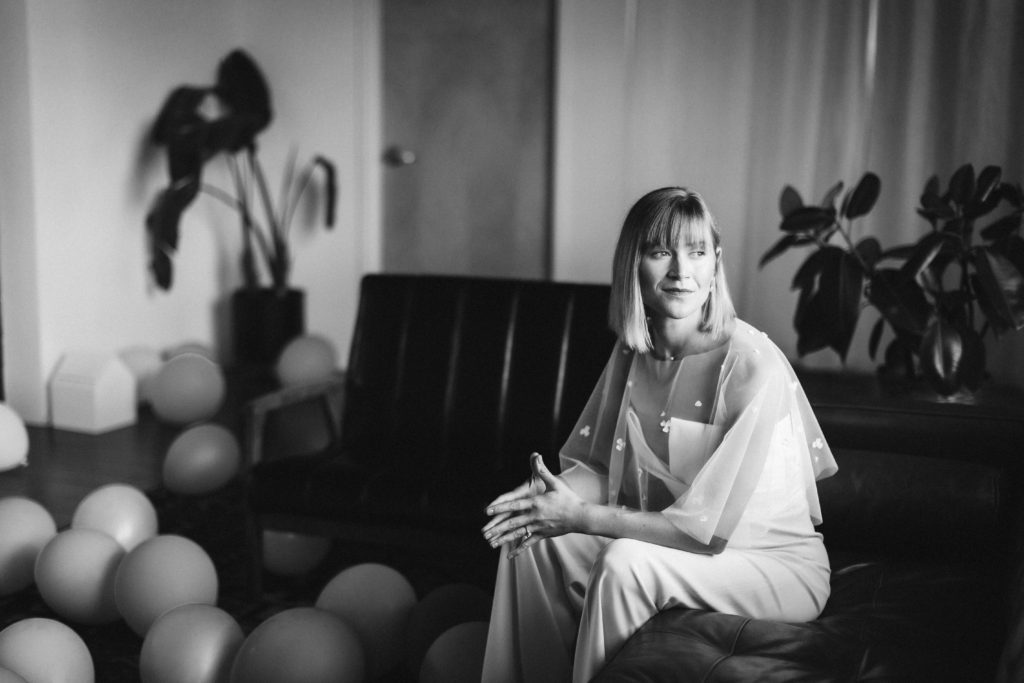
(557, 510)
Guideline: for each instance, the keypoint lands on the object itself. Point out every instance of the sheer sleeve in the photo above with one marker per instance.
(585, 458)
(763, 420)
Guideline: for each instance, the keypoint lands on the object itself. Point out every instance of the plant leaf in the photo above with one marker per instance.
(941, 353)
(789, 201)
(241, 85)
(808, 219)
(331, 188)
(830, 304)
(924, 253)
(875, 338)
(986, 193)
(870, 251)
(829, 200)
(1002, 285)
(1002, 228)
(778, 248)
(962, 184)
(900, 300)
(864, 196)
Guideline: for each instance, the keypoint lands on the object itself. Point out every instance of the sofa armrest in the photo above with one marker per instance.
(329, 393)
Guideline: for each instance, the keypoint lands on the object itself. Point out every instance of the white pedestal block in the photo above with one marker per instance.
(92, 392)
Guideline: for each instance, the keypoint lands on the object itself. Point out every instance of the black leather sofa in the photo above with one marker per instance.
(453, 381)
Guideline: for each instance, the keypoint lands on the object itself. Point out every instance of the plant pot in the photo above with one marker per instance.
(263, 321)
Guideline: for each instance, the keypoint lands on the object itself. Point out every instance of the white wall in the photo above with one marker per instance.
(82, 80)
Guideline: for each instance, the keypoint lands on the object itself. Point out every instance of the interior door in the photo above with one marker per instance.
(467, 129)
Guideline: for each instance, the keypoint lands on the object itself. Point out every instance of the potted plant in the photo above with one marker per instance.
(939, 296)
(198, 124)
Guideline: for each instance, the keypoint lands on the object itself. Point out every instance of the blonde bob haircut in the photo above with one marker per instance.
(666, 217)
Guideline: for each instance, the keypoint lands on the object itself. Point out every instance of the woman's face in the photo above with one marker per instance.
(676, 280)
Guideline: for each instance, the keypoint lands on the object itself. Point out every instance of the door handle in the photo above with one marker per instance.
(396, 156)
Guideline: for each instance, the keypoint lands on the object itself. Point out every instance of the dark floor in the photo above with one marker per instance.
(65, 466)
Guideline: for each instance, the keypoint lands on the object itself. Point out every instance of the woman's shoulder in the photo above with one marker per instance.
(754, 350)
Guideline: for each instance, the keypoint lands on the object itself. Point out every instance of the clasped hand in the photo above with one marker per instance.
(542, 507)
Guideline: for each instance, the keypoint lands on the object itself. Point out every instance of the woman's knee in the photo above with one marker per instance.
(619, 561)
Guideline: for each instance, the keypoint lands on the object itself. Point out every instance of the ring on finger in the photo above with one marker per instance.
(527, 534)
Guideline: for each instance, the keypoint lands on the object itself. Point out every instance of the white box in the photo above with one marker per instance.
(92, 392)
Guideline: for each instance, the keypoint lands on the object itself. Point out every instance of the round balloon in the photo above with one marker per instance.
(306, 358)
(195, 643)
(188, 388)
(376, 601)
(438, 611)
(45, 651)
(75, 575)
(165, 572)
(457, 656)
(190, 347)
(144, 363)
(289, 554)
(120, 511)
(25, 527)
(201, 460)
(300, 645)
(13, 439)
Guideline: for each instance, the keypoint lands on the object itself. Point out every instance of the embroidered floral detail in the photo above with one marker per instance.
(664, 425)
(703, 518)
(698, 404)
(752, 331)
(625, 352)
(629, 383)
(818, 443)
(619, 444)
(662, 414)
(585, 432)
(794, 384)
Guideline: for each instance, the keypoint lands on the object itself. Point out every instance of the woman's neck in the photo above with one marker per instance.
(674, 339)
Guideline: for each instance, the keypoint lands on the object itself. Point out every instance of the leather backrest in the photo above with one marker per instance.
(471, 373)
(902, 505)
(921, 479)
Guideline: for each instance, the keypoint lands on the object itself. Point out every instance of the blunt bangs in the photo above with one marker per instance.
(664, 217)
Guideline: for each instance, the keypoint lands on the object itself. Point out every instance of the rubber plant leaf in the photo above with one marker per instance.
(870, 251)
(808, 219)
(829, 200)
(830, 302)
(863, 197)
(875, 338)
(952, 356)
(246, 95)
(780, 247)
(900, 300)
(1002, 228)
(789, 201)
(986, 192)
(962, 184)
(924, 253)
(1002, 286)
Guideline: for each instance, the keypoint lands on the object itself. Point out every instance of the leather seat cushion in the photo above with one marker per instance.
(907, 621)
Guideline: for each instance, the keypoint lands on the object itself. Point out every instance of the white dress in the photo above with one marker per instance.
(725, 444)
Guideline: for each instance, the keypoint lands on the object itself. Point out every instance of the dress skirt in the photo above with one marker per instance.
(565, 606)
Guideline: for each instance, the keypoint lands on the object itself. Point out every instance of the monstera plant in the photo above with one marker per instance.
(198, 124)
(940, 296)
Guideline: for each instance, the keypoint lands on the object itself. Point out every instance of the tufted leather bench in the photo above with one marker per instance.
(453, 381)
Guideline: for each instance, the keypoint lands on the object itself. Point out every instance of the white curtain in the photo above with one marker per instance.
(739, 98)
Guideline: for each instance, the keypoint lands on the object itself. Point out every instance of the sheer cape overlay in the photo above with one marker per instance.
(724, 443)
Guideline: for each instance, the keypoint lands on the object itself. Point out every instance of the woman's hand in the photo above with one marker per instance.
(543, 507)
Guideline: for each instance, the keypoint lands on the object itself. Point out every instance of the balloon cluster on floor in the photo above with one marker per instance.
(112, 564)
